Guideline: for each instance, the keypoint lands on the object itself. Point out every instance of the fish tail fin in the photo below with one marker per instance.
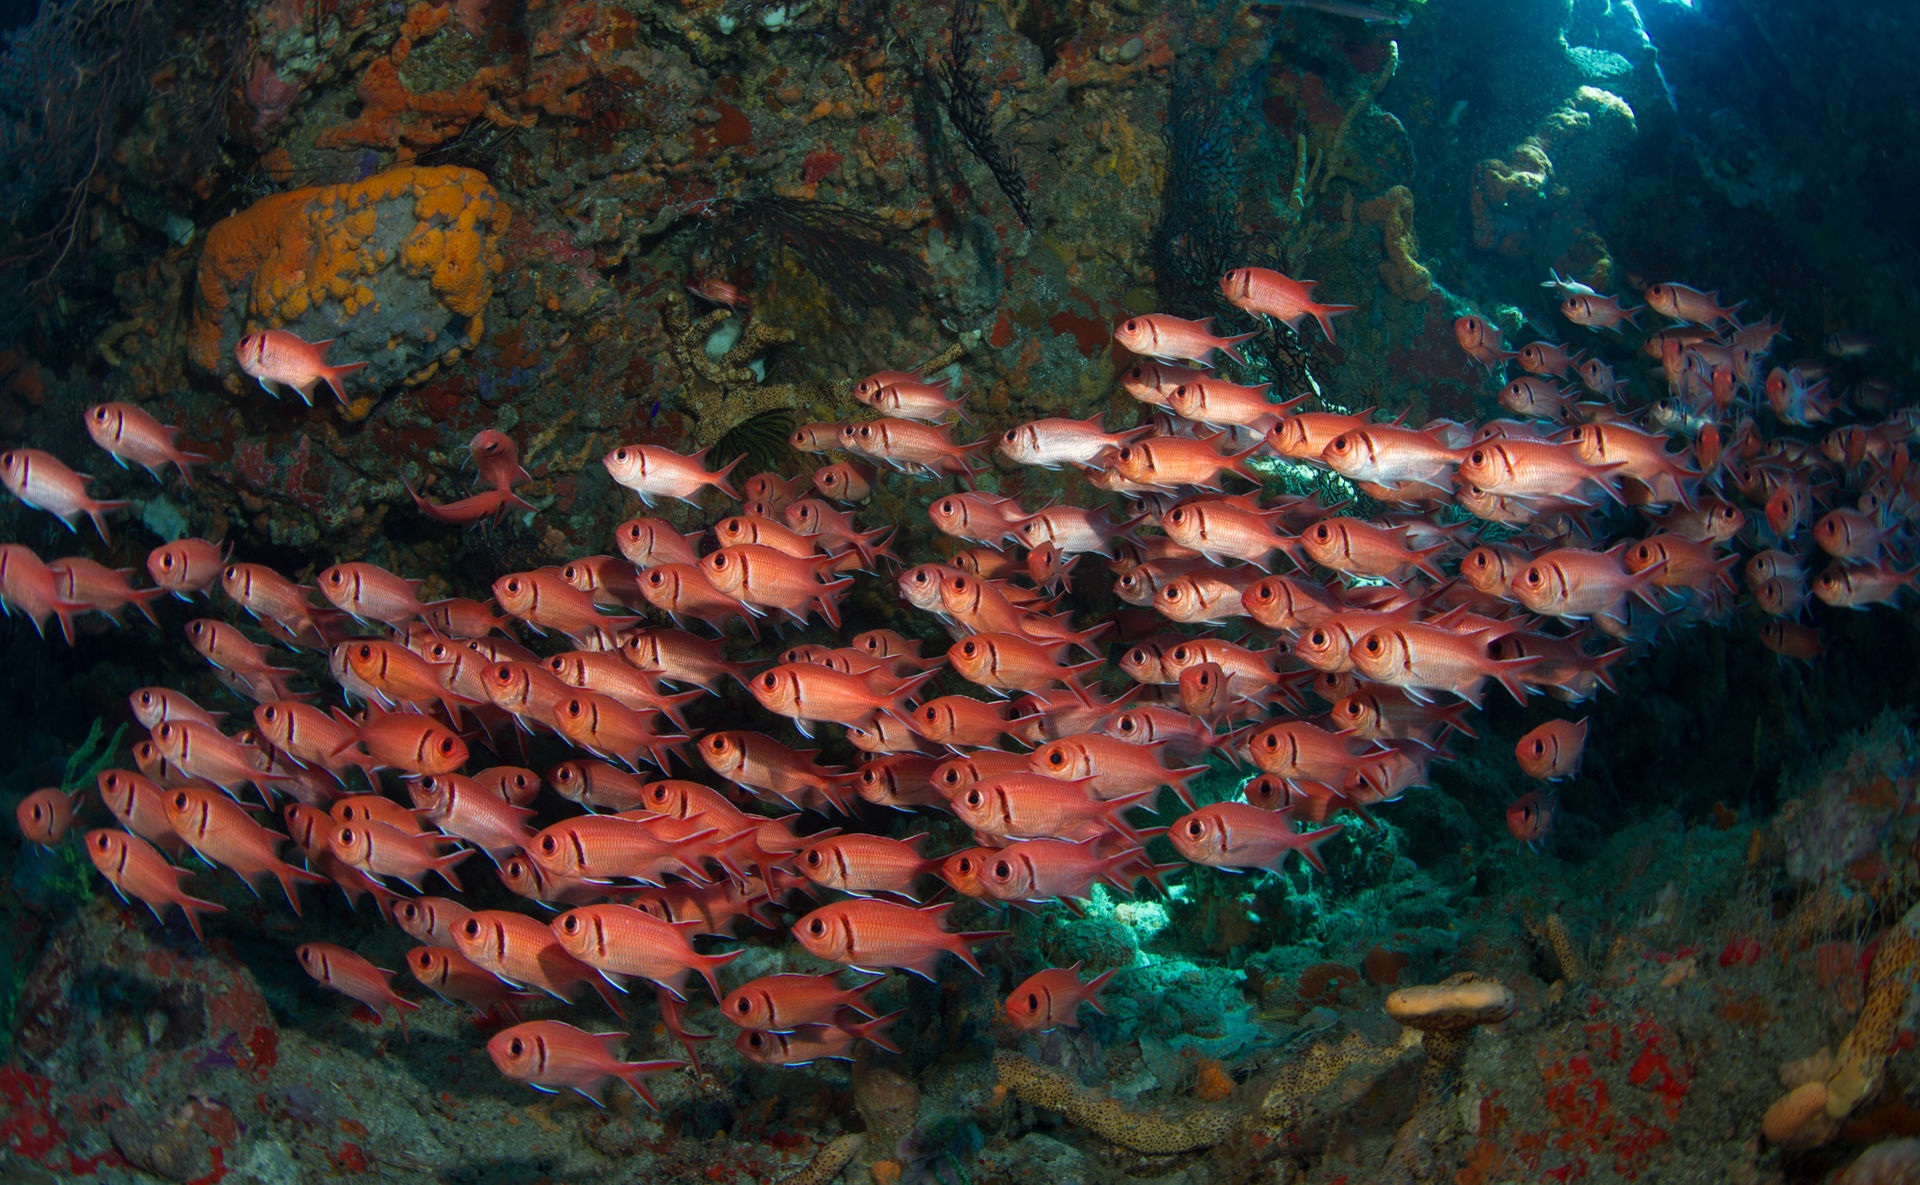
(193, 907)
(333, 375)
(635, 1074)
(1230, 346)
(870, 1030)
(444, 866)
(1094, 986)
(710, 963)
(719, 481)
(1325, 313)
(963, 944)
(1310, 845)
(290, 876)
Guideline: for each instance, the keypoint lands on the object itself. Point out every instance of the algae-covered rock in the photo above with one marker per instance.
(398, 267)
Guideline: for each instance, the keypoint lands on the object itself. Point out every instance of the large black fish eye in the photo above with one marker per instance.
(619, 454)
(1056, 757)
(1539, 747)
(471, 927)
(769, 680)
(1318, 638)
(1131, 326)
(1195, 828)
(1533, 576)
(1003, 870)
(970, 649)
(1372, 644)
(549, 844)
(813, 858)
(1033, 1002)
(964, 865)
(973, 798)
(816, 927)
(570, 924)
(101, 842)
(516, 1047)
(1477, 457)
(743, 1006)
(166, 560)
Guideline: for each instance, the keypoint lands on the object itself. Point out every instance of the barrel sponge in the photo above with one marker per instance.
(325, 254)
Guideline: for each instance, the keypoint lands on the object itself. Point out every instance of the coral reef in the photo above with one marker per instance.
(1536, 202)
(1824, 1090)
(397, 268)
(1400, 268)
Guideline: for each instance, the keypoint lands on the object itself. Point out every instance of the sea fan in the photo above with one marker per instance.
(762, 440)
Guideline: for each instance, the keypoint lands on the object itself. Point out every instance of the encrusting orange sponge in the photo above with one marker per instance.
(321, 262)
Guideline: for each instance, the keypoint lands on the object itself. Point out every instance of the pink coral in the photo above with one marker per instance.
(270, 98)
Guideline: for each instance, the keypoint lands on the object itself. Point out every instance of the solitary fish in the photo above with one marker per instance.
(281, 359)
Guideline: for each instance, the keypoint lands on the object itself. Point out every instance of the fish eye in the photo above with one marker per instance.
(742, 1006)
(270, 713)
(656, 578)
(516, 1047)
(1477, 457)
(757, 1040)
(973, 798)
(365, 651)
(166, 561)
(769, 681)
(964, 865)
(1033, 1002)
(346, 836)
(816, 927)
(1130, 326)
(549, 844)
(1533, 576)
(1372, 644)
(101, 842)
(970, 649)
(813, 858)
(1003, 870)
(946, 504)
(1318, 638)
(619, 454)
(446, 744)
(570, 924)
(1171, 592)
(1195, 829)
(1539, 747)
(1056, 757)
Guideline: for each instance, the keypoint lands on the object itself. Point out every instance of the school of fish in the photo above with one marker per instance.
(1330, 651)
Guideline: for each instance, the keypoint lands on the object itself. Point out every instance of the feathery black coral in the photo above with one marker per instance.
(967, 97)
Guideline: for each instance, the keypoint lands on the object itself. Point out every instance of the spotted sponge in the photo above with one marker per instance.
(399, 266)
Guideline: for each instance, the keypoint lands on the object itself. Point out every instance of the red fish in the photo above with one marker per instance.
(369, 593)
(619, 940)
(655, 472)
(1159, 335)
(44, 816)
(135, 870)
(869, 935)
(78, 580)
(1530, 817)
(1236, 835)
(280, 359)
(1267, 293)
(185, 566)
(351, 975)
(1482, 341)
(783, 1003)
(454, 977)
(43, 481)
(1051, 999)
(551, 1056)
(864, 864)
(1552, 751)
(812, 1043)
(223, 833)
(130, 435)
(1689, 305)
